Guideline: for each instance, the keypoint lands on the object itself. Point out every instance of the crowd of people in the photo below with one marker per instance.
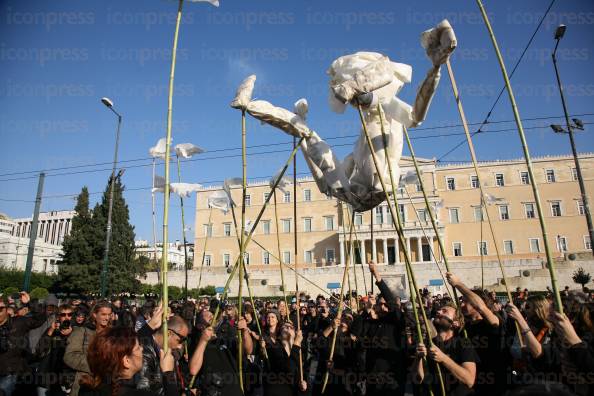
(472, 344)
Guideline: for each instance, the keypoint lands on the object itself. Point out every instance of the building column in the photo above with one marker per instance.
(374, 250)
(419, 249)
(341, 252)
(385, 243)
(408, 248)
(396, 251)
(362, 251)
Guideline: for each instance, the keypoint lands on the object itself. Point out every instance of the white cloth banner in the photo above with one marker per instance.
(187, 150)
(158, 151)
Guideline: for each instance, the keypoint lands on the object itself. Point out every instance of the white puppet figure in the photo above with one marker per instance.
(371, 80)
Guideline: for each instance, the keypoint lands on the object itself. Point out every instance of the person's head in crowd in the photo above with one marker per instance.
(81, 315)
(447, 318)
(303, 310)
(272, 322)
(320, 298)
(287, 332)
(178, 332)
(345, 322)
(65, 314)
(311, 308)
(113, 355)
(323, 308)
(101, 315)
(469, 311)
(51, 304)
(282, 308)
(231, 312)
(204, 319)
(381, 307)
(578, 312)
(117, 303)
(537, 309)
(4, 315)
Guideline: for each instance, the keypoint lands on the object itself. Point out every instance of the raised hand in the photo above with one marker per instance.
(439, 42)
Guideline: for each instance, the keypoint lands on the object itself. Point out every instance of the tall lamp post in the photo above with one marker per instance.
(109, 104)
(559, 32)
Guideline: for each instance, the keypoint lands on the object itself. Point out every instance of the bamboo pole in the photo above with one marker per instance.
(164, 264)
(204, 247)
(339, 313)
(550, 262)
(280, 263)
(183, 221)
(478, 177)
(396, 220)
(372, 241)
(296, 250)
(362, 260)
(242, 246)
(425, 198)
(154, 215)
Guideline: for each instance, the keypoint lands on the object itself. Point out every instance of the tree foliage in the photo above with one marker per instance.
(82, 262)
(582, 277)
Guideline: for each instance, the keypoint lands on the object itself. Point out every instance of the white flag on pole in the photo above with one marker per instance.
(219, 200)
(184, 189)
(187, 150)
(158, 184)
(158, 151)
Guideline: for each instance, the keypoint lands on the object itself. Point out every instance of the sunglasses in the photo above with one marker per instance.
(66, 314)
(182, 338)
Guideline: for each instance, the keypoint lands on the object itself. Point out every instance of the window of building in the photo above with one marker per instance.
(207, 260)
(330, 258)
(524, 177)
(287, 196)
(556, 209)
(457, 249)
(499, 181)
(266, 227)
(422, 214)
(508, 247)
(287, 257)
(248, 200)
(574, 175)
(529, 210)
(580, 207)
(418, 187)
(454, 216)
(562, 244)
(308, 257)
(482, 248)
(503, 212)
(329, 221)
(478, 213)
(227, 229)
(246, 258)
(286, 225)
(550, 175)
(451, 183)
(474, 181)
(534, 245)
(307, 195)
(265, 258)
(208, 230)
(226, 259)
(266, 196)
(358, 219)
(587, 242)
(307, 224)
(402, 210)
(379, 215)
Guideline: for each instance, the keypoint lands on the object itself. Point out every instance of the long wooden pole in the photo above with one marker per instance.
(512, 99)
(396, 220)
(242, 246)
(154, 214)
(296, 254)
(183, 222)
(164, 264)
(208, 231)
(340, 309)
(280, 254)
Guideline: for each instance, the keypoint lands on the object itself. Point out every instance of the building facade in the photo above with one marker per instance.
(322, 223)
(175, 253)
(15, 235)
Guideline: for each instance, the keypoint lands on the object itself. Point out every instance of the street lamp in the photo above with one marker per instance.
(559, 32)
(109, 104)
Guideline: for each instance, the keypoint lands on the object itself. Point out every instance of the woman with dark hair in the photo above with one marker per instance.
(114, 357)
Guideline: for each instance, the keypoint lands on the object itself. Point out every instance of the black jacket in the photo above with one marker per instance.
(128, 388)
(14, 342)
(150, 376)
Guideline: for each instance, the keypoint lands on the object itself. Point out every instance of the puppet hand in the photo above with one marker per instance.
(439, 42)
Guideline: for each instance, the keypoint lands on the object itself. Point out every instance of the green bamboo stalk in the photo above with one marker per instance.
(550, 262)
(204, 248)
(397, 221)
(183, 221)
(296, 254)
(340, 309)
(242, 246)
(280, 263)
(164, 264)
(482, 192)
(425, 198)
(362, 260)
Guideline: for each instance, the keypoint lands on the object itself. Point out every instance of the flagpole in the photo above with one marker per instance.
(159, 272)
(181, 202)
(550, 262)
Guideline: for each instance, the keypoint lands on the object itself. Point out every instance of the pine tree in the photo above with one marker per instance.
(582, 277)
(78, 255)
(123, 267)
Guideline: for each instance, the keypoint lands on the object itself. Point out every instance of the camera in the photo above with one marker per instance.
(65, 325)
